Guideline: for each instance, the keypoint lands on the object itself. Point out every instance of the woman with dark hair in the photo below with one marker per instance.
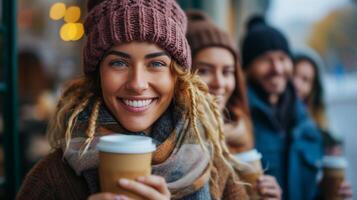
(308, 85)
(307, 82)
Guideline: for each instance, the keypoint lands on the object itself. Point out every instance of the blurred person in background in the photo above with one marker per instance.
(289, 140)
(35, 87)
(308, 85)
(37, 104)
(216, 60)
(137, 80)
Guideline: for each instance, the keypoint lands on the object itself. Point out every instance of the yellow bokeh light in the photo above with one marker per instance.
(68, 31)
(80, 31)
(57, 11)
(73, 14)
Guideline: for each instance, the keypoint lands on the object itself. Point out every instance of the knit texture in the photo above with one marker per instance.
(261, 38)
(112, 22)
(203, 33)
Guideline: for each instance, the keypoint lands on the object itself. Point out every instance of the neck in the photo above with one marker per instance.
(273, 99)
(147, 131)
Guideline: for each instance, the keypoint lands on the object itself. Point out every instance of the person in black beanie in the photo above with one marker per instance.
(288, 139)
(284, 133)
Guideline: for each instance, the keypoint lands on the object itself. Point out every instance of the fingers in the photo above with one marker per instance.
(266, 181)
(264, 198)
(157, 182)
(141, 189)
(268, 187)
(106, 196)
(270, 193)
(345, 191)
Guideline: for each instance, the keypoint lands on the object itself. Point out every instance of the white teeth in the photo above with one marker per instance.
(137, 103)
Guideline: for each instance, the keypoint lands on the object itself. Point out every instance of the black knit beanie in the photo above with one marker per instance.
(261, 38)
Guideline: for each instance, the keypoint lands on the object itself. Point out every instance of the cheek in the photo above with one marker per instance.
(297, 83)
(231, 83)
(165, 85)
(289, 69)
(308, 87)
(259, 72)
(206, 79)
(111, 82)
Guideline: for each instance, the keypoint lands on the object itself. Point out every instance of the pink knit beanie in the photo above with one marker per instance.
(112, 22)
(203, 33)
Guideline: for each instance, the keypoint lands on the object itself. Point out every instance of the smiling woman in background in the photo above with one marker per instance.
(216, 61)
(215, 58)
(308, 84)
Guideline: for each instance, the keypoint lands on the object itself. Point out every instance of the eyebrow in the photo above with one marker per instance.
(205, 64)
(125, 55)
(118, 53)
(211, 65)
(153, 55)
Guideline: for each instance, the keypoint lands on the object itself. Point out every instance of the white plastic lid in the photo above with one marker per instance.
(128, 144)
(334, 162)
(249, 156)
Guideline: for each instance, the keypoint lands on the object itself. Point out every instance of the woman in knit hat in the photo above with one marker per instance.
(216, 60)
(137, 81)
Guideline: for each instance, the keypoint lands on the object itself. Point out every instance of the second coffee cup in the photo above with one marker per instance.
(123, 156)
(333, 176)
(252, 171)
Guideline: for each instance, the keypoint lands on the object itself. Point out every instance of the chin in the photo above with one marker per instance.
(276, 89)
(133, 125)
(133, 128)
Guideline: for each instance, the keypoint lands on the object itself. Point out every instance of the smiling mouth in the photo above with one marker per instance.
(137, 105)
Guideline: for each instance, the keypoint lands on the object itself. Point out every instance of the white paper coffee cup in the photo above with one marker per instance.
(249, 156)
(334, 162)
(123, 156)
(127, 144)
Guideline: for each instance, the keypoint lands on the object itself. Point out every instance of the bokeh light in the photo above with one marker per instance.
(73, 14)
(57, 11)
(80, 31)
(71, 31)
(68, 31)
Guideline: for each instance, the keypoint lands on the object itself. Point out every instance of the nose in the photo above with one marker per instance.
(137, 80)
(278, 67)
(217, 80)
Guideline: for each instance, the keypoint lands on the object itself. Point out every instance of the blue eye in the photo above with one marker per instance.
(118, 63)
(157, 64)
